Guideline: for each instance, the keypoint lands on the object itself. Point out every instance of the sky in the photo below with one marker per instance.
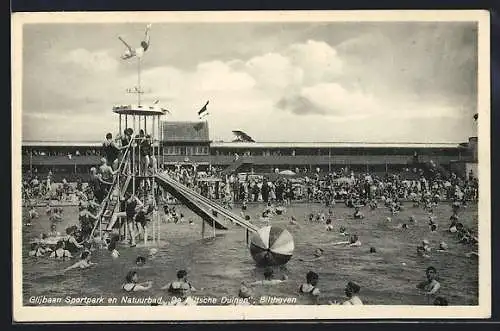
(302, 82)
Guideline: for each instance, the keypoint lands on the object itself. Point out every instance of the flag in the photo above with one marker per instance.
(476, 116)
(203, 112)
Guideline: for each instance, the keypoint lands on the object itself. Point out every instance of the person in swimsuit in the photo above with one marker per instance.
(181, 285)
(136, 52)
(132, 203)
(36, 250)
(71, 244)
(310, 288)
(84, 262)
(111, 151)
(351, 291)
(112, 248)
(140, 261)
(268, 279)
(431, 285)
(318, 254)
(132, 285)
(60, 253)
(440, 301)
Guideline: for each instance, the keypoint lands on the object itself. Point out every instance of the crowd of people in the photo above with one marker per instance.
(425, 191)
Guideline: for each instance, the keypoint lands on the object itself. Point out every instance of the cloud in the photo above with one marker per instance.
(91, 60)
(396, 72)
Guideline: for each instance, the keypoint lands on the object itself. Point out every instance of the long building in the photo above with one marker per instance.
(185, 143)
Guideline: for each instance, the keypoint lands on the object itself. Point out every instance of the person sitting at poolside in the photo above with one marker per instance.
(351, 291)
(132, 285)
(268, 279)
(431, 285)
(181, 285)
(358, 214)
(59, 252)
(309, 287)
(84, 262)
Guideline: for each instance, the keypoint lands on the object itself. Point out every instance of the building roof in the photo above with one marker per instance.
(250, 145)
(185, 131)
(33, 143)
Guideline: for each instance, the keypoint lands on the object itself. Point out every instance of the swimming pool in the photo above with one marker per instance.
(217, 266)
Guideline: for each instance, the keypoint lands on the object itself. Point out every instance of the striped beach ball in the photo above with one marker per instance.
(271, 246)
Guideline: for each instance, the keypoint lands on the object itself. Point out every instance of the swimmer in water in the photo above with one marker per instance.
(293, 221)
(440, 301)
(112, 248)
(84, 262)
(310, 287)
(354, 241)
(140, 261)
(431, 285)
(132, 285)
(358, 214)
(53, 231)
(268, 279)
(329, 225)
(181, 285)
(443, 247)
(36, 250)
(318, 253)
(59, 251)
(352, 293)
(424, 249)
(244, 294)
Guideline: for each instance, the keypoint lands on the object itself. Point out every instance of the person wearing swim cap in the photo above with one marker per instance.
(140, 261)
(351, 291)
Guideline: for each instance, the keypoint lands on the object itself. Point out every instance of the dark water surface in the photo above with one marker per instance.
(217, 266)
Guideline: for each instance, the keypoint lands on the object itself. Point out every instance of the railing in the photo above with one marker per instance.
(107, 199)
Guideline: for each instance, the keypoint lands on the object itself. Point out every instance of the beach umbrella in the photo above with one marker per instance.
(287, 173)
(271, 246)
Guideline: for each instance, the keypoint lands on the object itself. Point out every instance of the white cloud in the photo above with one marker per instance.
(91, 60)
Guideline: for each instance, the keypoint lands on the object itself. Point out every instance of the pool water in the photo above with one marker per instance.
(217, 266)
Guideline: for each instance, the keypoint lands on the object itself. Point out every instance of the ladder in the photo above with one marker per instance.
(112, 201)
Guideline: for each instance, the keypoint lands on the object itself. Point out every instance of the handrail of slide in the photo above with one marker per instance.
(111, 189)
(207, 202)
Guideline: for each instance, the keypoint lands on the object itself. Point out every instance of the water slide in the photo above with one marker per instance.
(200, 204)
